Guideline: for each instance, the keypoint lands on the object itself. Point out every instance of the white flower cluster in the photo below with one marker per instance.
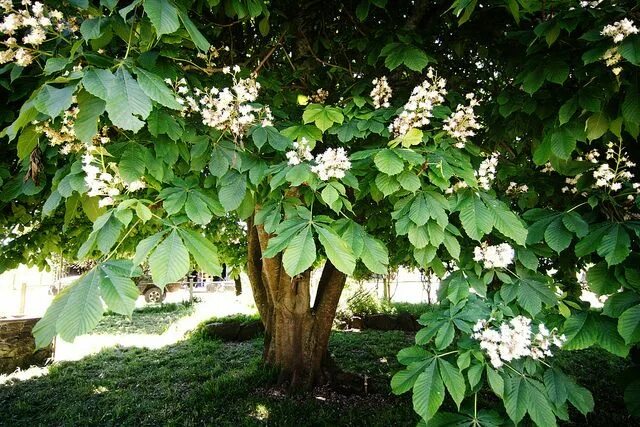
(613, 178)
(515, 340)
(620, 30)
(228, 109)
(590, 3)
(611, 58)
(320, 96)
(381, 93)
(417, 112)
(514, 189)
(103, 183)
(497, 256)
(486, 173)
(301, 153)
(455, 187)
(333, 163)
(462, 123)
(33, 22)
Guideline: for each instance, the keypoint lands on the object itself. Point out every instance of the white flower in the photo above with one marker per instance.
(417, 111)
(515, 340)
(618, 31)
(462, 123)
(301, 153)
(381, 93)
(486, 173)
(333, 163)
(498, 256)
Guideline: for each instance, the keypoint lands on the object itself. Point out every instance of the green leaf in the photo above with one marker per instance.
(428, 392)
(388, 162)
(615, 245)
(127, 103)
(27, 142)
(404, 380)
(169, 262)
(630, 49)
(563, 143)
(597, 125)
(580, 398)
(196, 209)
(475, 217)
(53, 65)
(117, 289)
(86, 123)
(156, 89)
(453, 380)
(98, 82)
(506, 221)
(374, 255)
(52, 101)
(495, 382)
(196, 36)
(538, 405)
(145, 246)
(602, 280)
(45, 330)
(531, 294)
(232, 191)
(92, 28)
(337, 250)
(516, 398)
(300, 253)
(557, 236)
(409, 181)
(83, 309)
(629, 325)
(203, 251)
(323, 116)
(555, 382)
(163, 16)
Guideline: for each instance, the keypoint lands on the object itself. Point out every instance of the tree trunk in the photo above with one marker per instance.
(296, 332)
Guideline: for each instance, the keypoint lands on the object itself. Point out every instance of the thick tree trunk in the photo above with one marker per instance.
(296, 332)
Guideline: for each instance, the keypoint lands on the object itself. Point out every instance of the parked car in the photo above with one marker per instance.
(151, 292)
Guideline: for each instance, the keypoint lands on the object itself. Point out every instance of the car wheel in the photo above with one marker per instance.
(154, 295)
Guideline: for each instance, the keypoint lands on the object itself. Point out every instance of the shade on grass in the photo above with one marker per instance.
(206, 382)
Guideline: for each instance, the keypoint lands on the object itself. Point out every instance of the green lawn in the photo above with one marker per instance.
(153, 320)
(206, 382)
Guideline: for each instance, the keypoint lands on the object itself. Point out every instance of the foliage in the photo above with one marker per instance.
(115, 136)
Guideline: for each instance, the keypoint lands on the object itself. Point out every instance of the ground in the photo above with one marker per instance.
(205, 382)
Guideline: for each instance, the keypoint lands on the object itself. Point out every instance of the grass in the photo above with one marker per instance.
(207, 382)
(204, 382)
(415, 309)
(152, 320)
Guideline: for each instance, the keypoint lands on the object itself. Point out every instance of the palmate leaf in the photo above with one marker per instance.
(453, 380)
(53, 101)
(233, 187)
(338, 252)
(169, 262)
(83, 309)
(428, 392)
(163, 15)
(539, 407)
(323, 116)
(629, 325)
(404, 380)
(156, 89)
(516, 398)
(117, 289)
(475, 217)
(300, 253)
(388, 162)
(375, 255)
(203, 251)
(505, 221)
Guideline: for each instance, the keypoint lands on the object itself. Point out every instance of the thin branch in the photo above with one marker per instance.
(269, 53)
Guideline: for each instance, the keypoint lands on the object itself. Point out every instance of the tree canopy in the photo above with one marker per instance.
(491, 142)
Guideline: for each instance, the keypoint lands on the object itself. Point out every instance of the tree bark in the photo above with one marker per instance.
(296, 332)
